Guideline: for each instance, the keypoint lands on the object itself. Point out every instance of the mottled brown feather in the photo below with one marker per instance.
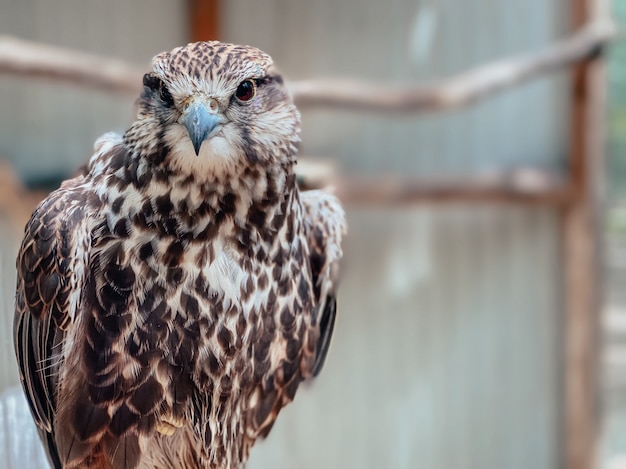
(169, 304)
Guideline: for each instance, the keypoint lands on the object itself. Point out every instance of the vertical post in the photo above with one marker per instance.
(581, 224)
(204, 20)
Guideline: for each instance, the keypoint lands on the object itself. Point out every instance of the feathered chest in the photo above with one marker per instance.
(190, 284)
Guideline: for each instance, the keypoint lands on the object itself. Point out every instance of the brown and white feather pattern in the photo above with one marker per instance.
(169, 304)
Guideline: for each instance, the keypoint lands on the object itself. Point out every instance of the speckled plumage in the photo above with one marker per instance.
(169, 303)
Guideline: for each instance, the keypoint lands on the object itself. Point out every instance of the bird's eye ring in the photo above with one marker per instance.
(156, 85)
(246, 90)
(165, 95)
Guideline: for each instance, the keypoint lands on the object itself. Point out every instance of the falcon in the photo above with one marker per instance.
(172, 297)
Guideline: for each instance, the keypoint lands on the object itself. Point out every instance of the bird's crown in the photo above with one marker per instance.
(212, 64)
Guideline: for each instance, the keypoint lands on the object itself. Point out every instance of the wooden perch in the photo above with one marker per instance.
(25, 58)
(521, 186)
(31, 59)
(394, 192)
(460, 90)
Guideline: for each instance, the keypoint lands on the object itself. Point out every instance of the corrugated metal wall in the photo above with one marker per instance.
(446, 347)
(446, 352)
(8, 250)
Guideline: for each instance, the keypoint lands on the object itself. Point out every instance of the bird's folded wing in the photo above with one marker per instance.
(43, 300)
(325, 226)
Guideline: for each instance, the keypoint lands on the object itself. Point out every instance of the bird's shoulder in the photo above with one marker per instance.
(324, 227)
(54, 238)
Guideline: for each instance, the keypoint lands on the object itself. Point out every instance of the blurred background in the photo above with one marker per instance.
(482, 314)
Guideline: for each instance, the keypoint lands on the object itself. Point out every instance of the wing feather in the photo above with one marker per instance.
(304, 352)
(42, 306)
(327, 325)
(325, 225)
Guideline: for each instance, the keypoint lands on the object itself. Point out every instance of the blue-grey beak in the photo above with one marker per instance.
(200, 119)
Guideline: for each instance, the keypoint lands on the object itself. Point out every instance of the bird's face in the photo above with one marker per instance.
(216, 107)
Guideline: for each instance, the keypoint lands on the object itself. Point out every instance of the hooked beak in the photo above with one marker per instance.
(200, 119)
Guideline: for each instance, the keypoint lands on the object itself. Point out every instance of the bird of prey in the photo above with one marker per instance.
(172, 296)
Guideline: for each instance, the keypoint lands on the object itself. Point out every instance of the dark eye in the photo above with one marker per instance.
(165, 95)
(246, 90)
(155, 84)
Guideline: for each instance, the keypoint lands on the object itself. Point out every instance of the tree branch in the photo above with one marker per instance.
(460, 90)
(31, 59)
(24, 58)
(521, 186)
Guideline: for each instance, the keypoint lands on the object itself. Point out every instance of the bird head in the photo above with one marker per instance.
(212, 108)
